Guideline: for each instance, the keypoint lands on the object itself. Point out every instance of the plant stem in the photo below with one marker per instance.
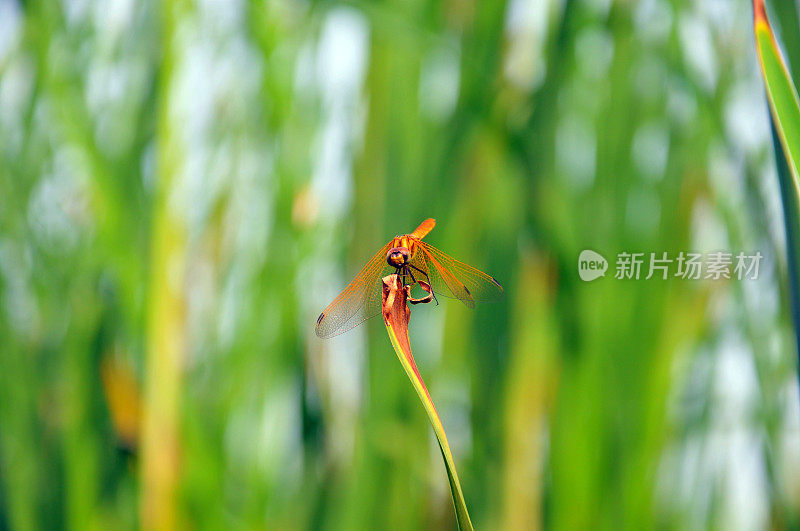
(396, 315)
(166, 341)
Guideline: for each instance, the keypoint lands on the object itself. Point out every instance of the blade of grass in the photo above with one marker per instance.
(781, 92)
(787, 26)
(791, 217)
(785, 117)
(166, 339)
(396, 316)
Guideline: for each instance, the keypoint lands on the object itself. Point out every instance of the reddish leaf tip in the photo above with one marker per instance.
(760, 13)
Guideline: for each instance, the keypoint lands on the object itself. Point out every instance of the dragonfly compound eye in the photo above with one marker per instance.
(397, 256)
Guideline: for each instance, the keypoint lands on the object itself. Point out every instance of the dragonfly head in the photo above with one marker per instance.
(398, 256)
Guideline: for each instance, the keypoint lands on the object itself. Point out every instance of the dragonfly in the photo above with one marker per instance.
(410, 258)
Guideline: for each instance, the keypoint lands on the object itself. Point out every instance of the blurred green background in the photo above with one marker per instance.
(184, 186)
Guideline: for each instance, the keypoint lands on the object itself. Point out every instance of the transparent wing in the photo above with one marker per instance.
(452, 278)
(359, 301)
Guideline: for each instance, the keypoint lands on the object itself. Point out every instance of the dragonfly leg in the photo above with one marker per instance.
(401, 272)
(411, 299)
(428, 280)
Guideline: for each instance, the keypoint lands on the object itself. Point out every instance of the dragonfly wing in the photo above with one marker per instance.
(453, 278)
(359, 301)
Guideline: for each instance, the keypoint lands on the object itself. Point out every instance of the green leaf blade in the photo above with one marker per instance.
(396, 316)
(781, 92)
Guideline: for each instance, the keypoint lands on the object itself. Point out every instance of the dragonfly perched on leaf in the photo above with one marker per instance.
(415, 261)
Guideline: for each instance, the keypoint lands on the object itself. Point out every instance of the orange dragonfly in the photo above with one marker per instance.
(411, 258)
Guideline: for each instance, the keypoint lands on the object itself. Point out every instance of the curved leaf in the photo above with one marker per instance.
(781, 93)
(396, 316)
(785, 122)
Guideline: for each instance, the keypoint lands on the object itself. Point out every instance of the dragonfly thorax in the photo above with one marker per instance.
(398, 256)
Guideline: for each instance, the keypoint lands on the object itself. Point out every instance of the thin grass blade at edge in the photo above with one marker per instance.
(784, 108)
(781, 92)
